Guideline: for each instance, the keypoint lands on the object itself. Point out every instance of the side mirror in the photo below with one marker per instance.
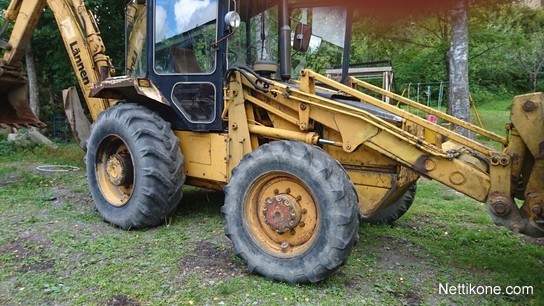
(303, 34)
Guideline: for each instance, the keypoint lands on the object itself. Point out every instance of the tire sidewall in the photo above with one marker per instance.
(323, 249)
(157, 164)
(104, 129)
(396, 210)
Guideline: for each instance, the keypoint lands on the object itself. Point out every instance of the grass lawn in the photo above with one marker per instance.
(55, 249)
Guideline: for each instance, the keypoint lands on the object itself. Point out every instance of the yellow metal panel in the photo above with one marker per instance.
(527, 116)
(370, 198)
(204, 155)
(353, 137)
(373, 189)
(363, 156)
(239, 141)
(367, 178)
(198, 149)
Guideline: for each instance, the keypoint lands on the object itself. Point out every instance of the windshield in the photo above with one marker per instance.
(184, 31)
(327, 42)
(256, 41)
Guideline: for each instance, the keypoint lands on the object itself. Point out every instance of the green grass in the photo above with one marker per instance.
(55, 249)
(494, 117)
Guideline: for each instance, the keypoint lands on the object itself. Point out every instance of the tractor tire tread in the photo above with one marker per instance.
(340, 211)
(160, 170)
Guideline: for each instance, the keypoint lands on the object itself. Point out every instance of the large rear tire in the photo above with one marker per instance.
(396, 210)
(291, 212)
(134, 167)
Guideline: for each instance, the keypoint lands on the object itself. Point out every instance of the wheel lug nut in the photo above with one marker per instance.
(293, 232)
(301, 224)
(284, 245)
(298, 198)
(288, 190)
(276, 191)
(304, 211)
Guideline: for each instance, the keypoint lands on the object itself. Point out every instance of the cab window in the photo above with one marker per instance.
(184, 32)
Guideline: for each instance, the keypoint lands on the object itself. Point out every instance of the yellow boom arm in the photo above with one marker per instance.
(83, 43)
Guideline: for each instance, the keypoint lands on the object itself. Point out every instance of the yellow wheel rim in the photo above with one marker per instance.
(115, 171)
(281, 215)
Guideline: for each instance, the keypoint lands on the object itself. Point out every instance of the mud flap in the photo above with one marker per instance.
(81, 126)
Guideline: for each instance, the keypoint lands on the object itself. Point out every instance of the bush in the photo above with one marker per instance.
(22, 144)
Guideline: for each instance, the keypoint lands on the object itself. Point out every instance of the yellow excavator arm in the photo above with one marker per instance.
(83, 43)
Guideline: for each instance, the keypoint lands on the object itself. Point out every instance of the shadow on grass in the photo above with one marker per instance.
(200, 201)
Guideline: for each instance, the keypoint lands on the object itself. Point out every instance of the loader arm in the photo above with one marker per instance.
(366, 142)
(83, 43)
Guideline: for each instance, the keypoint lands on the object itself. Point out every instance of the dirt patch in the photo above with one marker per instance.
(408, 297)
(212, 261)
(38, 266)
(122, 300)
(405, 262)
(9, 178)
(401, 253)
(537, 241)
(29, 248)
(64, 195)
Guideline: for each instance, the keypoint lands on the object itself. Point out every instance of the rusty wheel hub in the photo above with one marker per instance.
(282, 213)
(119, 169)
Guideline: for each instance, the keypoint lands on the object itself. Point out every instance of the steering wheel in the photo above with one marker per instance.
(232, 57)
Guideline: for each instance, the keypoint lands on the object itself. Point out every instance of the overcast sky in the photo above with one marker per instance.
(177, 16)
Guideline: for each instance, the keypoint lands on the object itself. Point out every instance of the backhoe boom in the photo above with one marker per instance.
(83, 43)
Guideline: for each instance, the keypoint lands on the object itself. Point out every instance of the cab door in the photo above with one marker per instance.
(184, 61)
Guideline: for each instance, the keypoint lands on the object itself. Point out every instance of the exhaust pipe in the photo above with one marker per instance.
(285, 41)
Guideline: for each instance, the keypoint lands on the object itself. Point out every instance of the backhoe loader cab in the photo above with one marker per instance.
(186, 51)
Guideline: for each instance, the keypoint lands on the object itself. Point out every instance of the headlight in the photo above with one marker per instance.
(232, 19)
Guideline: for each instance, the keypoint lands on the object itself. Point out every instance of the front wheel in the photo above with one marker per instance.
(134, 167)
(291, 212)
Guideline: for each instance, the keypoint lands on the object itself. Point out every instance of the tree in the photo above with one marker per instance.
(53, 66)
(531, 59)
(458, 101)
(418, 44)
(33, 88)
(529, 50)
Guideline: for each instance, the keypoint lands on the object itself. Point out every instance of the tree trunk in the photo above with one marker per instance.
(32, 81)
(458, 102)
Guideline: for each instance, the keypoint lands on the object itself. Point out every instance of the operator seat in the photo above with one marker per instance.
(185, 60)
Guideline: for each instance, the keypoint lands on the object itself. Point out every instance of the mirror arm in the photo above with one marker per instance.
(217, 42)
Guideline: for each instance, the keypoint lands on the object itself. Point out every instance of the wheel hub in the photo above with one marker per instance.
(282, 213)
(119, 169)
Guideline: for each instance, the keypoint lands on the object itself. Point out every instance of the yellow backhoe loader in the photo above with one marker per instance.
(211, 98)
